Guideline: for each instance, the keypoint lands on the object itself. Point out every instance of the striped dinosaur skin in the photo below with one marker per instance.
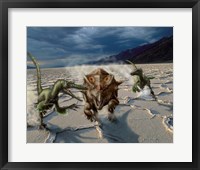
(48, 97)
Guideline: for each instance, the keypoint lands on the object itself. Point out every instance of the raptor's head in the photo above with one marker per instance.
(70, 84)
(137, 72)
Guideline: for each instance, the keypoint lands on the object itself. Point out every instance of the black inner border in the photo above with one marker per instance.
(6, 4)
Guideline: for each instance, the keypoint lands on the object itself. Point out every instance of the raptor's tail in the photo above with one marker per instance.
(39, 87)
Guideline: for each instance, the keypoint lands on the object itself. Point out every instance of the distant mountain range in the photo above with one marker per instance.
(160, 51)
(157, 52)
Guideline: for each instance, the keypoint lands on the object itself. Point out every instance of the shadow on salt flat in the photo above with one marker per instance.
(80, 136)
(155, 112)
(161, 93)
(117, 132)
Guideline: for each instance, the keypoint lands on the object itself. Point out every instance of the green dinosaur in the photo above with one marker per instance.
(48, 97)
(141, 80)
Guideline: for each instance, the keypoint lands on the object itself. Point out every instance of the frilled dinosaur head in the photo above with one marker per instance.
(101, 87)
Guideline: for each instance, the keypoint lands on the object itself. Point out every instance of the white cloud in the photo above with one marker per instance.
(145, 34)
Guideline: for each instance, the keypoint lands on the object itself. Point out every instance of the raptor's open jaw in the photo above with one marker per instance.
(75, 86)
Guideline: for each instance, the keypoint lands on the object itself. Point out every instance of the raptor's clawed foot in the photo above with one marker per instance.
(42, 126)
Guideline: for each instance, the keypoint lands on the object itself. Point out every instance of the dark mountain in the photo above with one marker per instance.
(160, 51)
(157, 52)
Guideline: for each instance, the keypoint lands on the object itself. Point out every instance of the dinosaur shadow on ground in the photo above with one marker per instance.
(68, 135)
(117, 132)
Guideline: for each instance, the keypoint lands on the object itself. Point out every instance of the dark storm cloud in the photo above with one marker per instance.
(66, 46)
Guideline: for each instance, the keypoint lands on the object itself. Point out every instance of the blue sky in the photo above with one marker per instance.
(68, 46)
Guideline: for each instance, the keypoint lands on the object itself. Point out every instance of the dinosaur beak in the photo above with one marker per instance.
(99, 101)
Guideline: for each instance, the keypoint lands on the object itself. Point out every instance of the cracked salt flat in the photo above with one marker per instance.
(133, 124)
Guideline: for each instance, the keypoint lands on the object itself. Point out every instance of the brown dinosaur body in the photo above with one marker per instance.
(102, 90)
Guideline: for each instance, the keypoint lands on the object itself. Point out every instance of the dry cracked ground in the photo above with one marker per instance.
(140, 119)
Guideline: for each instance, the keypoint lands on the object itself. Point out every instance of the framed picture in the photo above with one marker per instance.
(83, 83)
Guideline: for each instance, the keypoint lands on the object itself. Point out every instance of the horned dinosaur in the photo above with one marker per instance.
(102, 90)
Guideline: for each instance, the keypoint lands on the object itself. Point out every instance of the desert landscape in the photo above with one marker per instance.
(140, 119)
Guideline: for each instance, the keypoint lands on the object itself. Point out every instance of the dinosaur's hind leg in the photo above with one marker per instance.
(111, 106)
(42, 124)
(90, 112)
(152, 92)
(42, 107)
